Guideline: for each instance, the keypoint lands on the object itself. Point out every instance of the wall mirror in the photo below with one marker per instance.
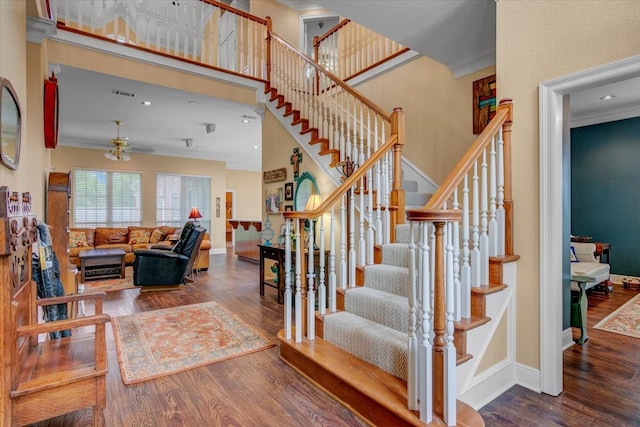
(307, 185)
(10, 125)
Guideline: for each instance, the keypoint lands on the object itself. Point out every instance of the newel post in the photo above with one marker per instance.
(508, 194)
(397, 196)
(268, 47)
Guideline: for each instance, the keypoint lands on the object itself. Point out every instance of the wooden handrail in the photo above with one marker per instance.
(503, 115)
(379, 110)
(359, 173)
(318, 39)
(235, 11)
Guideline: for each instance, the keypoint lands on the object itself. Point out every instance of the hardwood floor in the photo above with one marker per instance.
(600, 381)
(253, 390)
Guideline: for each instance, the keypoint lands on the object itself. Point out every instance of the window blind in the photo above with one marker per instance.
(106, 198)
(177, 194)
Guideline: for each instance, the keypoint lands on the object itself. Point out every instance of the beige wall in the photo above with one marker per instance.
(16, 57)
(248, 189)
(64, 159)
(437, 107)
(278, 145)
(539, 41)
(285, 21)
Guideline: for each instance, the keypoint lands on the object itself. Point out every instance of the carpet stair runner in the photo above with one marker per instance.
(413, 198)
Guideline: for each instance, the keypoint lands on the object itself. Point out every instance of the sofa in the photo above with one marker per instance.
(129, 239)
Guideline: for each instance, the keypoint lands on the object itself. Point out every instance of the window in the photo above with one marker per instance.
(106, 199)
(177, 194)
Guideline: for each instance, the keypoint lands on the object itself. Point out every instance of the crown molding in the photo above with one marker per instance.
(39, 29)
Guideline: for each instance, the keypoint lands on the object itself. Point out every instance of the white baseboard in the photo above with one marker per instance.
(528, 377)
(215, 251)
(489, 385)
(567, 338)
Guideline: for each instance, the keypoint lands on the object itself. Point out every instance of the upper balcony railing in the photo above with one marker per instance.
(203, 32)
(349, 49)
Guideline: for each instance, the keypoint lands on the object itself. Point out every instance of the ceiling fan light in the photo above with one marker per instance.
(110, 155)
(124, 156)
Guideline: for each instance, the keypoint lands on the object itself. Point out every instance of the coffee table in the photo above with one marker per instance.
(101, 264)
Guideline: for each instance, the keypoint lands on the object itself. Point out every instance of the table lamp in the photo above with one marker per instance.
(314, 203)
(194, 215)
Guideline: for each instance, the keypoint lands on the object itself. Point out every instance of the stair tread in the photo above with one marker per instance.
(370, 392)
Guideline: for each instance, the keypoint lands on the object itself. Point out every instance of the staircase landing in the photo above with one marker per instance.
(377, 397)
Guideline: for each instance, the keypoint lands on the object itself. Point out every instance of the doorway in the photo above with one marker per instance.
(313, 26)
(551, 170)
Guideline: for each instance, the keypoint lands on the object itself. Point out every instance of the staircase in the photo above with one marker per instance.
(390, 325)
(400, 301)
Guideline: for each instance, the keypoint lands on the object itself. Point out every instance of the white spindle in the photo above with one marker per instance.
(475, 227)
(322, 289)
(332, 263)
(426, 358)
(456, 260)
(412, 356)
(493, 232)
(287, 280)
(311, 293)
(484, 224)
(298, 296)
(343, 242)
(465, 291)
(500, 196)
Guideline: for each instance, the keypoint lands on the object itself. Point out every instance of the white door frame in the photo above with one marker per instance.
(550, 147)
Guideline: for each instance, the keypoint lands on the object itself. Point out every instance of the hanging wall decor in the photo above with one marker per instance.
(296, 159)
(484, 102)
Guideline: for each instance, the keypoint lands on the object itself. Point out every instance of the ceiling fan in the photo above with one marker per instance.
(119, 146)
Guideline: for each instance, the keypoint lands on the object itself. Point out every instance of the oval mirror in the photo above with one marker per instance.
(10, 125)
(307, 185)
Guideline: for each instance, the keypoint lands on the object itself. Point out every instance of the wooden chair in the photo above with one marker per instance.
(43, 379)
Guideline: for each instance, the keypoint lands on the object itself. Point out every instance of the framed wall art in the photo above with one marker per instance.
(288, 191)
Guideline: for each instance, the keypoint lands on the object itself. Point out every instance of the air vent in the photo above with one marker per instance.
(123, 93)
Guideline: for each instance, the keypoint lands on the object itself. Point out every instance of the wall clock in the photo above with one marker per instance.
(51, 112)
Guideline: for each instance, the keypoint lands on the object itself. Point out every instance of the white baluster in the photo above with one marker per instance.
(456, 261)
(465, 291)
(332, 263)
(311, 293)
(426, 362)
(412, 383)
(475, 227)
(500, 197)
(493, 232)
(322, 286)
(484, 224)
(287, 280)
(298, 296)
(343, 243)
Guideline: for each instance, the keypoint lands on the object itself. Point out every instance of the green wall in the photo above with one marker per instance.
(605, 189)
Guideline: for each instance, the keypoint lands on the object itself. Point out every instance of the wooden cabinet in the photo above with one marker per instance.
(58, 195)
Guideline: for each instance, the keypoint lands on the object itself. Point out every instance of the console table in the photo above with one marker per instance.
(276, 253)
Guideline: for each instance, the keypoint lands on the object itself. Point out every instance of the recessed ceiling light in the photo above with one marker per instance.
(245, 120)
(146, 103)
(199, 147)
(255, 147)
(607, 97)
(191, 102)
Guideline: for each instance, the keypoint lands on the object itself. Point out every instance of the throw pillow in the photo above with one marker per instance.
(77, 239)
(573, 256)
(175, 236)
(156, 236)
(139, 236)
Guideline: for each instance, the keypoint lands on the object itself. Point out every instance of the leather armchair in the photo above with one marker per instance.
(163, 266)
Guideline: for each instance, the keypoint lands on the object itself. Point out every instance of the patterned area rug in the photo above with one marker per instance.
(625, 320)
(110, 285)
(162, 342)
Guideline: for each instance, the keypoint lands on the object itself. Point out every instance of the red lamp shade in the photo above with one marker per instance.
(195, 214)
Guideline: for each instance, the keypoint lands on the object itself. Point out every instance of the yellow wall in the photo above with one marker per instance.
(16, 58)
(248, 188)
(278, 145)
(64, 159)
(437, 107)
(539, 41)
(286, 21)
